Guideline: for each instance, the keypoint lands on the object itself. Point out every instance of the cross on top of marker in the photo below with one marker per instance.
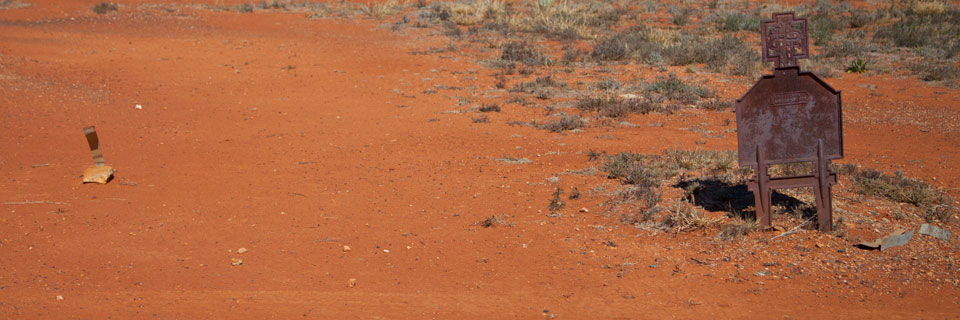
(784, 40)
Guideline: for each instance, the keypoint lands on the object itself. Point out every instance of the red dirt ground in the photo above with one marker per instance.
(293, 137)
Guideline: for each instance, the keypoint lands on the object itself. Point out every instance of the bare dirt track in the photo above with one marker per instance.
(294, 137)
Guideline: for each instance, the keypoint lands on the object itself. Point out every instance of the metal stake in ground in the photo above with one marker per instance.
(100, 172)
(787, 117)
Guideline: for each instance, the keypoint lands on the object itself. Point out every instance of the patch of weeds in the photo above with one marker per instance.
(556, 203)
(12, 4)
(574, 194)
(608, 84)
(619, 165)
(493, 107)
(896, 188)
(537, 85)
(564, 20)
(622, 45)
(646, 200)
(572, 55)
(858, 66)
(668, 164)
(595, 155)
(565, 123)
(936, 70)
(850, 46)
(680, 16)
(105, 7)
(740, 228)
(937, 29)
(685, 216)
(822, 28)
(275, 4)
(493, 221)
(380, 9)
(716, 104)
(858, 18)
(690, 160)
(674, 88)
(932, 201)
(614, 106)
(518, 100)
(791, 169)
(512, 160)
(736, 21)
(524, 53)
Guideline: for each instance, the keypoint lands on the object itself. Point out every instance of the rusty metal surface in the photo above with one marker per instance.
(789, 116)
(784, 40)
(787, 113)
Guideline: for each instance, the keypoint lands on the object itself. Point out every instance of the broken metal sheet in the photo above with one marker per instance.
(894, 239)
(934, 231)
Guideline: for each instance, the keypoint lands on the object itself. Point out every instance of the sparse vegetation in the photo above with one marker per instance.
(493, 221)
(739, 228)
(933, 202)
(614, 106)
(858, 66)
(492, 107)
(12, 4)
(522, 52)
(673, 88)
(556, 203)
(105, 7)
(688, 217)
(736, 21)
(716, 104)
(680, 15)
(566, 122)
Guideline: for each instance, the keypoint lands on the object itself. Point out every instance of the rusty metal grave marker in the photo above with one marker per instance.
(789, 116)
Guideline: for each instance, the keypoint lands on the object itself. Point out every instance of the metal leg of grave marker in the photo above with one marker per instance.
(821, 180)
(825, 179)
(761, 195)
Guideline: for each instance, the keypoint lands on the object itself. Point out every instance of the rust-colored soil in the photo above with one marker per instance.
(293, 137)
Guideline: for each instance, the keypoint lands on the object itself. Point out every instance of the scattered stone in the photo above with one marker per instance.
(139, 107)
(584, 210)
(512, 160)
(934, 231)
(347, 249)
(762, 273)
(894, 239)
(242, 250)
(352, 283)
(59, 298)
(235, 262)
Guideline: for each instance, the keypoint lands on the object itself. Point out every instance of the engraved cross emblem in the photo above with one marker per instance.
(784, 40)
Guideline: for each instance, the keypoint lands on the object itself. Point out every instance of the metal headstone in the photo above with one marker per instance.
(789, 116)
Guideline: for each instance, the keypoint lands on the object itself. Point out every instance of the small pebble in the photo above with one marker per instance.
(59, 298)
(352, 283)
(347, 249)
(241, 250)
(235, 262)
